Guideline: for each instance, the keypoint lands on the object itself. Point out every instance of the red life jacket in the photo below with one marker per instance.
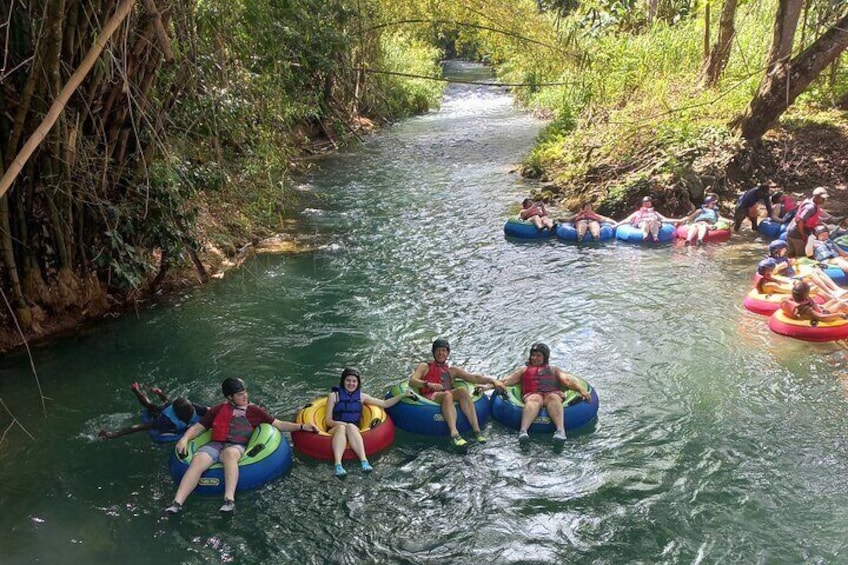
(537, 209)
(227, 428)
(811, 222)
(539, 378)
(789, 204)
(438, 373)
(583, 215)
(790, 307)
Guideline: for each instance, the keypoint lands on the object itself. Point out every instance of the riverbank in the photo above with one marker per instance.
(795, 157)
(225, 238)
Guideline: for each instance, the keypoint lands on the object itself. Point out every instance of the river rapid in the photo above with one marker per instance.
(717, 441)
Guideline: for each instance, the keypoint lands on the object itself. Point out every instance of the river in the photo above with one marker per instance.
(717, 441)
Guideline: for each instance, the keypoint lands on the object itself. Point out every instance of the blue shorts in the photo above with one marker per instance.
(214, 448)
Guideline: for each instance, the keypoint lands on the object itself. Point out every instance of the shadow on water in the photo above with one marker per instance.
(716, 441)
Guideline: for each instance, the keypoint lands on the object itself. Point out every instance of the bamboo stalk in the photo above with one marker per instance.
(61, 101)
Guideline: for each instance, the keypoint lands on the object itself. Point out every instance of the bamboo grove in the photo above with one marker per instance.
(110, 199)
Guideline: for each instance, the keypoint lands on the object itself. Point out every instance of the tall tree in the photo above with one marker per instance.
(719, 54)
(787, 78)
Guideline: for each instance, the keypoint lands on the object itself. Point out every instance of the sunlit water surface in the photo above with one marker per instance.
(716, 441)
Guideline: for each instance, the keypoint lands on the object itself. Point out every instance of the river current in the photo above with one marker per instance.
(716, 441)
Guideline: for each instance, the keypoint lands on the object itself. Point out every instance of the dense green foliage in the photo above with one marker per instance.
(621, 86)
(152, 158)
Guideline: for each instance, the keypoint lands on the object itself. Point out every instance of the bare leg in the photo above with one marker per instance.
(532, 406)
(690, 235)
(655, 229)
(339, 443)
(595, 228)
(581, 230)
(553, 403)
(229, 459)
(467, 407)
(448, 410)
(199, 463)
(354, 439)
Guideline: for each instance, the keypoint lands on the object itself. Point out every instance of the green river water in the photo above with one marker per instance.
(717, 441)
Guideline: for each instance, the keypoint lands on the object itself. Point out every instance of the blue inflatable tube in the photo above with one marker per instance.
(771, 229)
(525, 230)
(424, 416)
(629, 232)
(507, 408)
(567, 232)
(146, 418)
(837, 274)
(267, 456)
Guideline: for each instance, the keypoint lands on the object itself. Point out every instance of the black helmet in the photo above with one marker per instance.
(776, 246)
(348, 371)
(543, 349)
(231, 386)
(441, 342)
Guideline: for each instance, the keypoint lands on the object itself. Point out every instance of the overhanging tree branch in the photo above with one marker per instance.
(786, 81)
(61, 101)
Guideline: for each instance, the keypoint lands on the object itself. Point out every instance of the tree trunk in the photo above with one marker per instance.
(653, 5)
(785, 24)
(720, 53)
(786, 80)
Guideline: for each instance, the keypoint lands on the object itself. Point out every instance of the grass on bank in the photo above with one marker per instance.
(627, 112)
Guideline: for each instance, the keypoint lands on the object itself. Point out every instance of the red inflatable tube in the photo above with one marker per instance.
(808, 330)
(767, 304)
(712, 236)
(377, 429)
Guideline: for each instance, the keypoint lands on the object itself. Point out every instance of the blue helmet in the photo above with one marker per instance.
(766, 265)
(776, 246)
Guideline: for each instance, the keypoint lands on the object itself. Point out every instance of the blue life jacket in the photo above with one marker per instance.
(824, 250)
(707, 215)
(348, 407)
(169, 413)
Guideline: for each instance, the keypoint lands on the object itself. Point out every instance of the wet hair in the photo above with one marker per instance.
(183, 409)
(231, 386)
(543, 349)
(348, 371)
(584, 204)
(526, 202)
(776, 197)
(800, 291)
